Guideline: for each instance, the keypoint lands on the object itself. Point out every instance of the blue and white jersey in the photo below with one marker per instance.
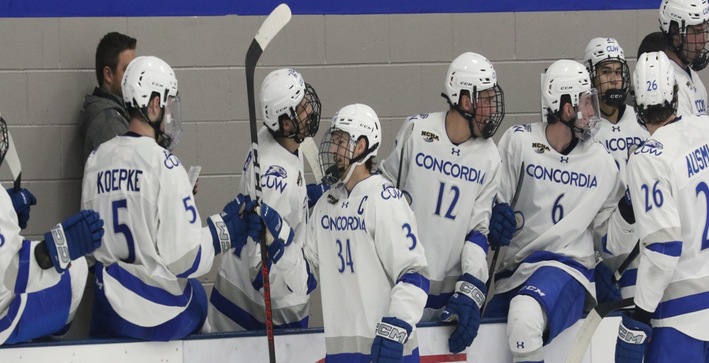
(669, 179)
(25, 287)
(452, 189)
(566, 202)
(237, 298)
(154, 240)
(619, 139)
(370, 263)
(692, 96)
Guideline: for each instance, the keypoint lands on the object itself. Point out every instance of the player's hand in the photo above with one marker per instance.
(21, 202)
(315, 191)
(239, 221)
(388, 345)
(606, 290)
(502, 225)
(279, 229)
(633, 336)
(77, 236)
(464, 306)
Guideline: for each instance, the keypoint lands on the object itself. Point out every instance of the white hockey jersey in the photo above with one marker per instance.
(452, 189)
(619, 139)
(670, 177)
(692, 96)
(21, 277)
(237, 298)
(154, 240)
(566, 201)
(370, 263)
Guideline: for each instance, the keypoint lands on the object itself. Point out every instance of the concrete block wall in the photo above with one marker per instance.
(394, 63)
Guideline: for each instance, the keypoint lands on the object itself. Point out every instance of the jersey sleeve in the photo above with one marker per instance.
(511, 160)
(185, 247)
(402, 256)
(475, 249)
(659, 227)
(392, 167)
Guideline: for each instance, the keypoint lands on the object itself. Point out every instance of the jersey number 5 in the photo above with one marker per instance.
(123, 229)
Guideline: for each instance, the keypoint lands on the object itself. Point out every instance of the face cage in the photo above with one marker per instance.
(701, 56)
(4, 139)
(331, 152)
(312, 123)
(493, 123)
(613, 97)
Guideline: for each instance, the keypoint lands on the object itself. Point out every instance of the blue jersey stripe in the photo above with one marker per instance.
(477, 238)
(417, 280)
(684, 305)
(672, 248)
(150, 293)
(23, 270)
(195, 265)
(139, 8)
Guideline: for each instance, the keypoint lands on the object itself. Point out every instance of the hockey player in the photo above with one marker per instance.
(452, 152)
(41, 282)
(364, 248)
(155, 247)
(669, 181)
(291, 112)
(569, 195)
(619, 133)
(685, 24)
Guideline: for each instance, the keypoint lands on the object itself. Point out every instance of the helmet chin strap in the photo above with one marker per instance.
(468, 116)
(160, 137)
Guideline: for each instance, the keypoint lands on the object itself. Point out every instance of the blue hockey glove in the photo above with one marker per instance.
(633, 336)
(77, 236)
(315, 191)
(279, 229)
(388, 345)
(231, 228)
(625, 206)
(21, 202)
(606, 290)
(464, 305)
(502, 225)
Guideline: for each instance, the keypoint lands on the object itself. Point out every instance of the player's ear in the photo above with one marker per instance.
(465, 101)
(154, 107)
(568, 112)
(107, 74)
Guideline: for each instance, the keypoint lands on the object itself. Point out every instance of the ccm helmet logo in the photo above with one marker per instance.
(159, 85)
(566, 88)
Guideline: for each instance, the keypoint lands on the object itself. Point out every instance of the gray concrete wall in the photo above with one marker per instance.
(394, 63)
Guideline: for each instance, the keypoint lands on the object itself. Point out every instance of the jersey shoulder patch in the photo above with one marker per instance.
(650, 147)
(170, 161)
(522, 128)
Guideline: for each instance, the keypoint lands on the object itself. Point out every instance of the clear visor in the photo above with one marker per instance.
(336, 151)
(588, 118)
(172, 123)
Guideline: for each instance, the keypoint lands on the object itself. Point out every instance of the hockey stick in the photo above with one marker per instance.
(13, 161)
(310, 151)
(495, 256)
(594, 318)
(273, 24)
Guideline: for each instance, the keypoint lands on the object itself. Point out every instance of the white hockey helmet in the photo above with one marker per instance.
(282, 93)
(149, 76)
(474, 73)
(686, 13)
(654, 87)
(598, 52)
(567, 79)
(350, 124)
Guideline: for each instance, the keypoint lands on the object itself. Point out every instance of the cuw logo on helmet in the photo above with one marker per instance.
(274, 178)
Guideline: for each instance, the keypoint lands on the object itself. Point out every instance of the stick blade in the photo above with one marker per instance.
(311, 153)
(279, 17)
(13, 161)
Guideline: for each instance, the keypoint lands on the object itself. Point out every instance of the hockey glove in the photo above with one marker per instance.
(502, 225)
(388, 345)
(21, 202)
(231, 228)
(606, 290)
(464, 306)
(633, 336)
(77, 236)
(280, 230)
(315, 191)
(625, 206)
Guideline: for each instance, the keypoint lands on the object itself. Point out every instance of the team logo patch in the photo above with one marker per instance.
(423, 115)
(522, 128)
(277, 171)
(275, 178)
(429, 136)
(539, 148)
(653, 143)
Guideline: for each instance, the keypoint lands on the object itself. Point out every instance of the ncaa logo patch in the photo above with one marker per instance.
(539, 148)
(429, 136)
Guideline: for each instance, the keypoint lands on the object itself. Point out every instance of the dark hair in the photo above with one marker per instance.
(108, 50)
(555, 117)
(653, 42)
